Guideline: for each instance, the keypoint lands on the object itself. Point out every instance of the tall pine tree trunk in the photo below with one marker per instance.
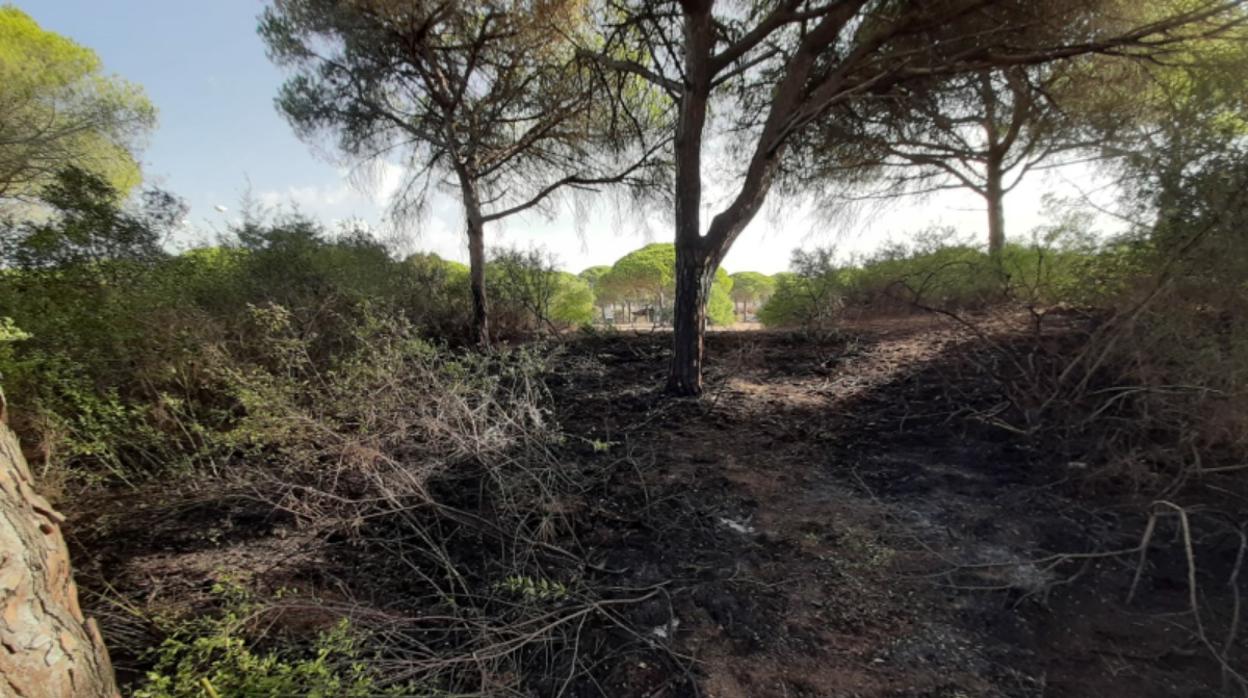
(995, 195)
(689, 307)
(47, 649)
(697, 255)
(476, 260)
(694, 274)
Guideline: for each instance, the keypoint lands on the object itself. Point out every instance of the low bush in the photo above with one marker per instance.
(531, 296)
(220, 655)
(1155, 390)
(1062, 265)
(811, 296)
(375, 424)
(306, 371)
(113, 350)
(446, 473)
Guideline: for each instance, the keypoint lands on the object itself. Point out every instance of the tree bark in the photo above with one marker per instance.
(476, 261)
(689, 307)
(995, 195)
(47, 649)
(694, 274)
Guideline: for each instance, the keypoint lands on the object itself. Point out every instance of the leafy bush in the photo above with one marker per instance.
(213, 657)
(573, 304)
(118, 371)
(954, 277)
(398, 439)
(444, 301)
(811, 296)
(531, 295)
(426, 409)
(1157, 390)
(1062, 265)
(719, 307)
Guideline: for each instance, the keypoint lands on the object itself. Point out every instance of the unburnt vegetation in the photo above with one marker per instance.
(297, 462)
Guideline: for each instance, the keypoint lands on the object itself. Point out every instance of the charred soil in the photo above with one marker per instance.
(832, 518)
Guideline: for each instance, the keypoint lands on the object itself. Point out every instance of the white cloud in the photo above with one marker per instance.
(368, 190)
(310, 199)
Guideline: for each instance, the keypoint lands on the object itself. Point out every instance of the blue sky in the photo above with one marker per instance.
(204, 67)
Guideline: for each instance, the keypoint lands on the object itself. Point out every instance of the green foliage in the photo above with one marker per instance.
(1065, 263)
(74, 282)
(530, 589)
(212, 657)
(649, 272)
(809, 297)
(604, 294)
(751, 287)
(954, 277)
(1062, 264)
(10, 332)
(593, 275)
(61, 109)
(573, 304)
(88, 228)
(447, 303)
(531, 295)
(648, 275)
(719, 307)
(122, 370)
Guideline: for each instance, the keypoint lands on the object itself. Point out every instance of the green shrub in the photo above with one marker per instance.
(952, 278)
(119, 367)
(213, 657)
(719, 307)
(530, 295)
(1062, 265)
(810, 297)
(573, 304)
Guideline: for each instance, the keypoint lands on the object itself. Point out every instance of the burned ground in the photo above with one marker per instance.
(833, 518)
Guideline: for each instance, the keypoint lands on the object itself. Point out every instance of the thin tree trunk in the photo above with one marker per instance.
(995, 196)
(689, 307)
(476, 261)
(47, 649)
(694, 274)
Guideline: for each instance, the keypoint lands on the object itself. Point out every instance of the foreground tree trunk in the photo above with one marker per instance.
(689, 309)
(995, 195)
(47, 650)
(694, 274)
(476, 275)
(476, 261)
